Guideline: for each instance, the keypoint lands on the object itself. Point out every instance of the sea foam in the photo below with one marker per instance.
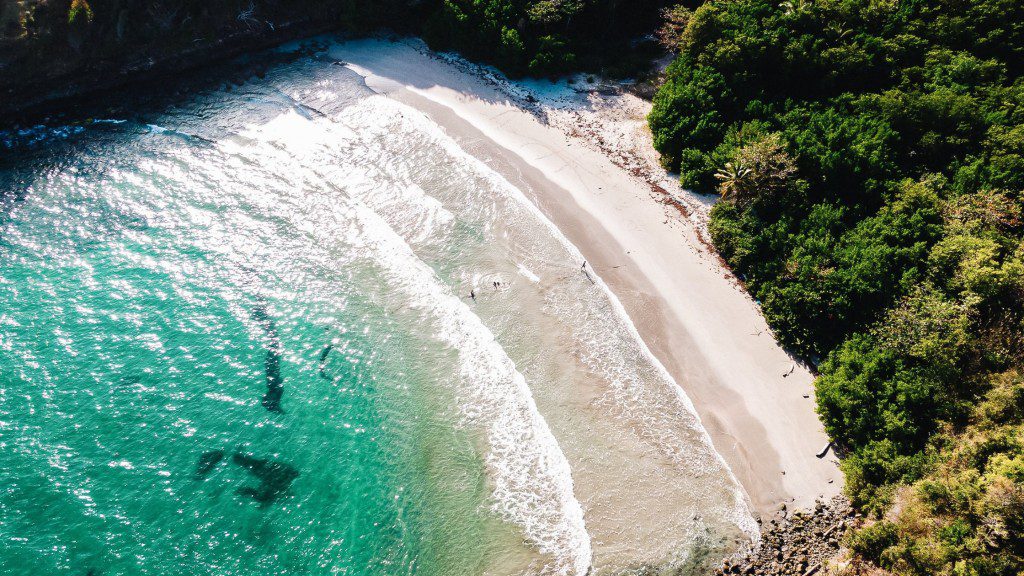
(642, 388)
(531, 479)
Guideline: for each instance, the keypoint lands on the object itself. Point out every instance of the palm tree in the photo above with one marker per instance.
(790, 7)
(733, 180)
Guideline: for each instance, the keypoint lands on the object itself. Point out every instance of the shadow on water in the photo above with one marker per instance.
(158, 93)
(33, 155)
(202, 107)
(275, 477)
(13, 191)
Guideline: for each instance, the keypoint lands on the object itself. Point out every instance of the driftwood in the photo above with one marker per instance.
(821, 453)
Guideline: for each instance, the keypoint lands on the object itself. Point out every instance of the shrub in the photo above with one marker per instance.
(873, 541)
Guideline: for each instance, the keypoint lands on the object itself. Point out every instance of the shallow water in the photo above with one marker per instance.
(236, 337)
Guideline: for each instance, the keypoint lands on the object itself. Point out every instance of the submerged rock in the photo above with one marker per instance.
(323, 360)
(275, 384)
(275, 477)
(272, 363)
(207, 462)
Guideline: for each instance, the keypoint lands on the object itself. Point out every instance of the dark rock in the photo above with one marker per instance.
(798, 545)
(207, 462)
(275, 477)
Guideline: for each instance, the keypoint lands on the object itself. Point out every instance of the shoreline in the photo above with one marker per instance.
(689, 310)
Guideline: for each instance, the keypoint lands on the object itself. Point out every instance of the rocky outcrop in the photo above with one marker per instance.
(55, 90)
(801, 543)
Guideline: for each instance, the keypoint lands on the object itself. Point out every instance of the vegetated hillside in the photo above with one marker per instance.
(62, 46)
(547, 37)
(871, 158)
(63, 43)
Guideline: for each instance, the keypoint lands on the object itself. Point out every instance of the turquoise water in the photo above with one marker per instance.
(129, 349)
(235, 339)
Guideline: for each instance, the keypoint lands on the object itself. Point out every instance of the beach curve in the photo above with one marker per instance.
(755, 401)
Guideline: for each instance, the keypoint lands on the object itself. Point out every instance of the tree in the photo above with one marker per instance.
(674, 22)
(735, 181)
(760, 169)
(79, 11)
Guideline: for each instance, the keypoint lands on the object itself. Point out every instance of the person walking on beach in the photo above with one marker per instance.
(585, 273)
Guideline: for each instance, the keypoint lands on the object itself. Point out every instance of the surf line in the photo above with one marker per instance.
(533, 485)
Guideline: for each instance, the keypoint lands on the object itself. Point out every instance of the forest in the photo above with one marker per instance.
(47, 42)
(870, 156)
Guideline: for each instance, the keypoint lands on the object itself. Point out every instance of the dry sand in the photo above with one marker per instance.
(590, 171)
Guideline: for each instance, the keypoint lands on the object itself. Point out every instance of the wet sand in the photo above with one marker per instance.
(688, 309)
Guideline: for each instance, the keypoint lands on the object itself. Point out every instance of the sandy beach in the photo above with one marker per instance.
(585, 159)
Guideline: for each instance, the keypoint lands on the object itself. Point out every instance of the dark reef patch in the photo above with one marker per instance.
(323, 360)
(207, 462)
(272, 363)
(275, 384)
(275, 477)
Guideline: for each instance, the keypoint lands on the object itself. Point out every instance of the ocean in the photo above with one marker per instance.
(272, 322)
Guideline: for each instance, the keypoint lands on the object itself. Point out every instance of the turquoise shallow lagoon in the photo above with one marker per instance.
(236, 338)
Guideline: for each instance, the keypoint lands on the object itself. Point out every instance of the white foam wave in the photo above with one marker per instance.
(532, 481)
(616, 348)
(527, 273)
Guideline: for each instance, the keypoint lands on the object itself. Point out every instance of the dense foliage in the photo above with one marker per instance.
(870, 154)
(966, 515)
(43, 41)
(41, 38)
(543, 37)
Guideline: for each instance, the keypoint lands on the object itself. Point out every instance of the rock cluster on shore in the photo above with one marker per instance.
(798, 544)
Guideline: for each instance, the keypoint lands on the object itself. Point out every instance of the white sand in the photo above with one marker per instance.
(686, 306)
